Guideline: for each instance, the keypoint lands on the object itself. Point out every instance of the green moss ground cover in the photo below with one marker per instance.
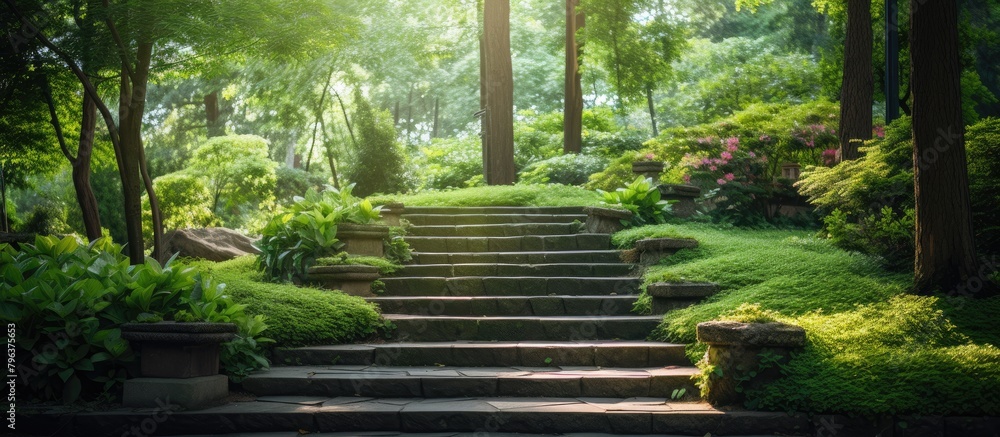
(296, 316)
(872, 348)
(515, 195)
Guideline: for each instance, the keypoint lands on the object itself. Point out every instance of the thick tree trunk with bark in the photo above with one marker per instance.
(858, 86)
(573, 100)
(499, 93)
(81, 171)
(945, 251)
(216, 128)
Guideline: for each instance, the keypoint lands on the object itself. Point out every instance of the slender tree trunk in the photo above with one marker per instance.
(395, 115)
(216, 128)
(81, 171)
(652, 109)
(945, 251)
(347, 121)
(573, 99)
(409, 114)
(858, 86)
(483, 110)
(500, 92)
(319, 118)
(437, 107)
(132, 103)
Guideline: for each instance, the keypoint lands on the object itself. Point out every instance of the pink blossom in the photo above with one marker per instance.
(650, 156)
(732, 144)
(687, 179)
(753, 155)
(765, 138)
(726, 155)
(706, 161)
(723, 162)
(721, 181)
(712, 168)
(729, 177)
(879, 131)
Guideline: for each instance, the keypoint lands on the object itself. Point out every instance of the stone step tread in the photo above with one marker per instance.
(479, 414)
(510, 286)
(506, 269)
(484, 219)
(524, 243)
(434, 434)
(446, 381)
(508, 305)
(490, 353)
(533, 257)
(511, 328)
(492, 210)
(494, 230)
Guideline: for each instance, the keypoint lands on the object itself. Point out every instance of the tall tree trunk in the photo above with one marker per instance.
(395, 115)
(652, 109)
(858, 86)
(945, 251)
(347, 121)
(132, 105)
(409, 114)
(573, 99)
(499, 92)
(216, 128)
(319, 117)
(81, 171)
(483, 112)
(437, 107)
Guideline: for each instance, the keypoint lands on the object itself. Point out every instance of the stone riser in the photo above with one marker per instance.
(495, 230)
(509, 306)
(625, 383)
(530, 243)
(482, 416)
(509, 286)
(582, 256)
(566, 328)
(486, 219)
(491, 269)
(486, 354)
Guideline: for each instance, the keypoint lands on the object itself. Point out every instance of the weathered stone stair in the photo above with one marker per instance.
(509, 320)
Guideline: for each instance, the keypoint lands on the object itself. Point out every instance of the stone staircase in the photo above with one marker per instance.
(509, 320)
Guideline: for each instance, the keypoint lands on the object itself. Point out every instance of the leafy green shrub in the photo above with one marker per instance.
(185, 202)
(516, 195)
(570, 169)
(292, 182)
(296, 316)
(238, 172)
(612, 144)
(68, 301)
(395, 248)
(293, 240)
(381, 162)
(449, 162)
(982, 141)
(642, 198)
(46, 219)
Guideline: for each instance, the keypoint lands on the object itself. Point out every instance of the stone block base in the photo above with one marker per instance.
(190, 393)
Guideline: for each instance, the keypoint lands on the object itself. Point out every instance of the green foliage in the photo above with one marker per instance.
(292, 182)
(185, 202)
(517, 195)
(69, 299)
(396, 249)
(749, 313)
(916, 354)
(642, 199)
(385, 267)
(296, 316)
(237, 171)
(293, 240)
(46, 219)
(570, 169)
(381, 164)
(982, 142)
(716, 79)
(449, 163)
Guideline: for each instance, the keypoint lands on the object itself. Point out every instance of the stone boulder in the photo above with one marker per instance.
(213, 244)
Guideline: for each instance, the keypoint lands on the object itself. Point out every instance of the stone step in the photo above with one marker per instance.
(527, 243)
(491, 353)
(509, 286)
(488, 219)
(435, 434)
(492, 210)
(495, 230)
(567, 256)
(450, 382)
(483, 416)
(509, 305)
(521, 328)
(494, 269)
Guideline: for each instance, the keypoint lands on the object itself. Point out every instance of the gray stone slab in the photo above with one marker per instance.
(190, 393)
